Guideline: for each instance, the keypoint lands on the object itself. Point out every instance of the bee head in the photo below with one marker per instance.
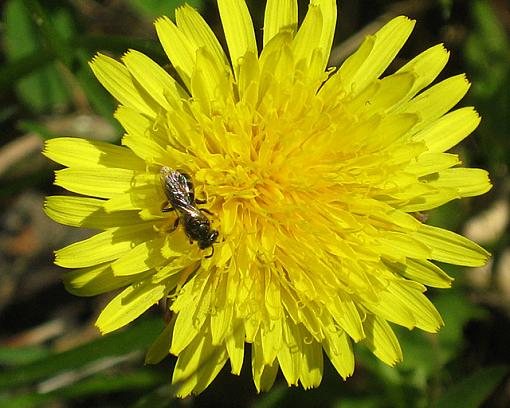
(209, 240)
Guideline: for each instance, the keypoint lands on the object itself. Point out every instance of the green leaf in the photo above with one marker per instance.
(487, 51)
(152, 9)
(119, 44)
(97, 385)
(158, 398)
(426, 354)
(471, 391)
(371, 401)
(101, 100)
(487, 55)
(421, 356)
(456, 310)
(43, 89)
(272, 399)
(13, 71)
(446, 8)
(35, 127)
(15, 356)
(135, 337)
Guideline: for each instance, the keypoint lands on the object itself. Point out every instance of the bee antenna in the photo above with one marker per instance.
(212, 252)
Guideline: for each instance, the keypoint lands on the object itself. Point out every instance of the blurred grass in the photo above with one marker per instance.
(45, 78)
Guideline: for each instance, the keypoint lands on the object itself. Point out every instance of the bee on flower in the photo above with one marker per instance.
(180, 192)
(312, 176)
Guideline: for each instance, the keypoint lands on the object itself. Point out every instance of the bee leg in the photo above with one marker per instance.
(166, 207)
(211, 254)
(176, 223)
(206, 211)
(200, 201)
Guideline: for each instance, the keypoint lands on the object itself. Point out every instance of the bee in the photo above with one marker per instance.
(180, 193)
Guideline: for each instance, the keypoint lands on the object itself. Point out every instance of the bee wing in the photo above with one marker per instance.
(188, 186)
(192, 212)
(177, 187)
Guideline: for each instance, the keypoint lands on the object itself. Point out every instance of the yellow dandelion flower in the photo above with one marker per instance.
(310, 175)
